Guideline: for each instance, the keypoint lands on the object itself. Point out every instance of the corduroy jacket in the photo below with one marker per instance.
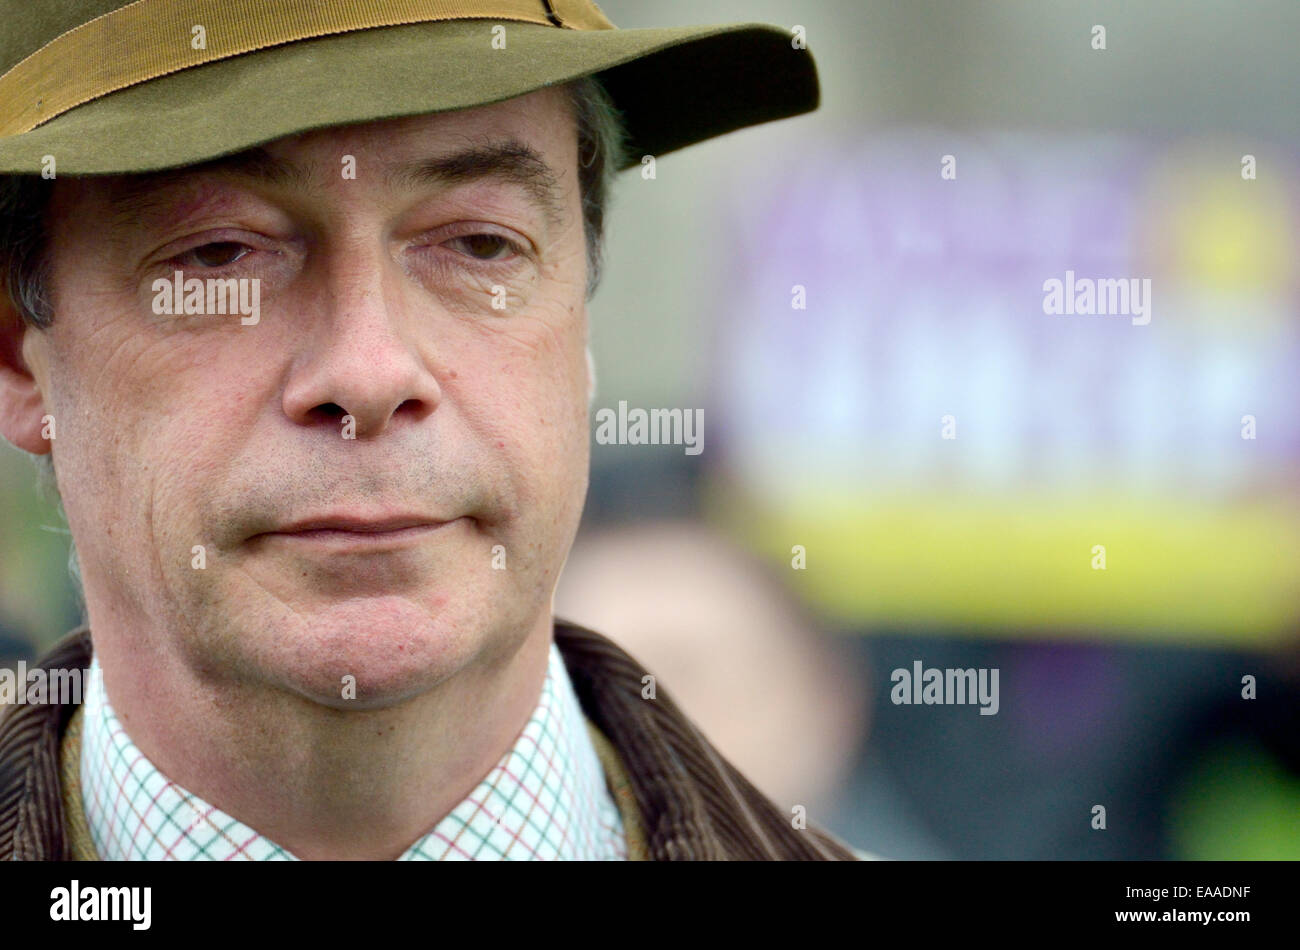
(686, 801)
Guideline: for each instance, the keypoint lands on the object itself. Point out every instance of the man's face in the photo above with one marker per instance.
(187, 446)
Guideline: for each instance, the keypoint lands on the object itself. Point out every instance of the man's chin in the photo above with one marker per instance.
(368, 653)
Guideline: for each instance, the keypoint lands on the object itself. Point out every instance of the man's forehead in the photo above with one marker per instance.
(512, 142)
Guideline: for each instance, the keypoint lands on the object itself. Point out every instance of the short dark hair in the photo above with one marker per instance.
(24, 267)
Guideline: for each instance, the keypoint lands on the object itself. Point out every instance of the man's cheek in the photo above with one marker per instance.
(546, 451)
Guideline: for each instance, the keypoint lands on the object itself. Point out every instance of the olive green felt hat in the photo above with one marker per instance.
(108, 87)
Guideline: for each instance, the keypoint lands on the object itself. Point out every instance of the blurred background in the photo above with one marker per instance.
(830, 533)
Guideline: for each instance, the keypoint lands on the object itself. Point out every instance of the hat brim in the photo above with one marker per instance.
(675, 86)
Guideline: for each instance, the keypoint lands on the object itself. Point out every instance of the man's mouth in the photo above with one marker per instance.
(352, 531)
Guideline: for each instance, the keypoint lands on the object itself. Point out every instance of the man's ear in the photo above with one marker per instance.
(591, 377)
(24, 419)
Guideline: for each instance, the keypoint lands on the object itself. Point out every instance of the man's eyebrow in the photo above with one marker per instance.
(135, 195)
(509, 160)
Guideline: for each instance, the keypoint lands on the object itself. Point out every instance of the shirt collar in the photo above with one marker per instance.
(546, 799)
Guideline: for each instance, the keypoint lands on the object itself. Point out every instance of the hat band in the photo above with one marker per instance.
(152, 38)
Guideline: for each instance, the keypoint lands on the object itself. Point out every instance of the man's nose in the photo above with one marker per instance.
(364, 359)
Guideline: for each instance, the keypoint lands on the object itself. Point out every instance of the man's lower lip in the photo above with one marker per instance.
(333, 537)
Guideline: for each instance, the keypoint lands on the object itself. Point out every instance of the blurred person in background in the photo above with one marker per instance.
(786, 703)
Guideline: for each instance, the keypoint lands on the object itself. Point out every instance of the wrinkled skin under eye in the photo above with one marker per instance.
(480, 271)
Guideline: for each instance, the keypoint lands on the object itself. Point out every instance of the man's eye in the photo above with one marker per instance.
(219, 254)
(485, 247)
